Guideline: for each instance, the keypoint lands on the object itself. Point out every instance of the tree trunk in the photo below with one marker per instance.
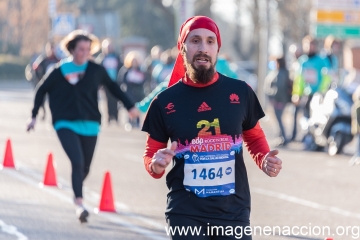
(247, 52)
(203, 7)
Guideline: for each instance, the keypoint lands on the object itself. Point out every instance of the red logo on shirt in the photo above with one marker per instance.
(234, 98)
(204, 107)
(170, 107)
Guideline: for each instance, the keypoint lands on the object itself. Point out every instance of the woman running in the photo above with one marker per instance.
(72, 88)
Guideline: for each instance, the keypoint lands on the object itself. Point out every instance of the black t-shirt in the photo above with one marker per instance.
(208, 178)
(79, 101)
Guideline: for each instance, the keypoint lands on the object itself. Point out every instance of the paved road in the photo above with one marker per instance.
(313, 190)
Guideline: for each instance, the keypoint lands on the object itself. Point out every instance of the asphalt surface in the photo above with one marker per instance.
(313, 192)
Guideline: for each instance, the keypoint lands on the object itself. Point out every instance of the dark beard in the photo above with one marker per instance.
(201, 74)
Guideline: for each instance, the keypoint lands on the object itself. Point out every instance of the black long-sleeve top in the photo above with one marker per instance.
(79, 101)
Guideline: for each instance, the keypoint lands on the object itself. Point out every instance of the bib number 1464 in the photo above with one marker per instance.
(211, 173)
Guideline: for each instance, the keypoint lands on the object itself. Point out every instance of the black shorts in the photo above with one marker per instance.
(189, 227)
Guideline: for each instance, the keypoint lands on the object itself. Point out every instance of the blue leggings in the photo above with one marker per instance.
(80, 150)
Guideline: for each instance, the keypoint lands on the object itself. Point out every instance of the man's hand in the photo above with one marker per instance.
(31, 124)
(272, 164)
(295, 99)
(133, 113)
(163, 158)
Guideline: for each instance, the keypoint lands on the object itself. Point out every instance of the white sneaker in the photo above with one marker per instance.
(354, 160)
(82, 214)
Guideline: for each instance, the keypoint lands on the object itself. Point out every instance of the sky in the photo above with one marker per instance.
(225, 8)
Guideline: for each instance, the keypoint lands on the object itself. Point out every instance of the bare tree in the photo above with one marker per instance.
(294, 19)
(203, 7)
(247, 51)
(7, 30)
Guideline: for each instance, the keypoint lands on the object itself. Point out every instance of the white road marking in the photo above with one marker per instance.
(12, 230)
(93, 197)
(7, 95)
(305, 203)
(110, 217)
(127, 156)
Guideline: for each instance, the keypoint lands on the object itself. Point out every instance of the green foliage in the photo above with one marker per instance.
(146, 18)
(12, 67)
(10, 48)
(155, 24)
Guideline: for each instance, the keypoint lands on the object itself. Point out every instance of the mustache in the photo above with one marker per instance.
(202, 55)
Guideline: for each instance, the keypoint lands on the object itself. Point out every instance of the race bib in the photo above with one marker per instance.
(311, 76)
(209, 162)
(135, 76)
(110, 63)
(210, 174)
(72, 78)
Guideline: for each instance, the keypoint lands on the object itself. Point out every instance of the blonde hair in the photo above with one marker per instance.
(69, 42)
(329, 41)
(130, 57)
(309, 39)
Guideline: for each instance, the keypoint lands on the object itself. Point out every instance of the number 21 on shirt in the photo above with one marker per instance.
(206, 125)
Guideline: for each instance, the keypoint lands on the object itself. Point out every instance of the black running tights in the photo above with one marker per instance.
(80, 150)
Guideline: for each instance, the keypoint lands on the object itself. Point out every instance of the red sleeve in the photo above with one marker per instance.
(152, 146)
(256, 143)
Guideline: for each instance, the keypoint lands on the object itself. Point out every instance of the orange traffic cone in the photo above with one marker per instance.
(50, 174)
(107, 199)
(8, 157)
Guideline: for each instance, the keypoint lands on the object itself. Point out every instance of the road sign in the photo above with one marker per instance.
(337, 4)
(340, 31)
(339, 16)
(62, 24)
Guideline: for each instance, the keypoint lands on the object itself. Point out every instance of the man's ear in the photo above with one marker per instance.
(183, 48)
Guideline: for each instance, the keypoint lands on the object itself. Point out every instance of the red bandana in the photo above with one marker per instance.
(191, 24)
